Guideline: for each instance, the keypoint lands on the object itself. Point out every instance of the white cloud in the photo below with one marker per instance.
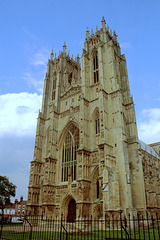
(40, 57)
(18, 113)
(149, 125)
(36, 73)
(37, 81)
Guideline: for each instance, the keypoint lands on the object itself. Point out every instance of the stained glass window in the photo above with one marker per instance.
(69, 157)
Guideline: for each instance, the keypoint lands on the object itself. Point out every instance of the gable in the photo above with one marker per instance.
(71, 91)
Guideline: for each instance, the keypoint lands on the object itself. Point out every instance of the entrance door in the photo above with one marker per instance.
(71, 211)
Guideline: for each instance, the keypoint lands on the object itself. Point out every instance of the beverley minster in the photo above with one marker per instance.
(88, 159)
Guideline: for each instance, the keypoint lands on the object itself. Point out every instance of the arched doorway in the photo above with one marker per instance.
(71, 211)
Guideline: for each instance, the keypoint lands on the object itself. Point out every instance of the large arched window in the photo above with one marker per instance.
(95, 67)
(69, 158)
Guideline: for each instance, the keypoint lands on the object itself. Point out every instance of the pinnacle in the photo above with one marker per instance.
(103, 22)
(87, 33)
(52, 54)
(64, 47)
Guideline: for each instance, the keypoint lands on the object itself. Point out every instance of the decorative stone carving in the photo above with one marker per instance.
(108, 161)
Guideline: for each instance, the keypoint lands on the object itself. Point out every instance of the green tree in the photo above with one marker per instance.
(7, 190)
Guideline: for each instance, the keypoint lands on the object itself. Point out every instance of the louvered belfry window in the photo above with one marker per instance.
(69, 154)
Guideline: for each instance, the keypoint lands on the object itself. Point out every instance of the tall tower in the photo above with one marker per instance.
(87, 159)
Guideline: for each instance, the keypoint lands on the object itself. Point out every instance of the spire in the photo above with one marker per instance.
(87, 33)
(103, 22)
(52, 54)
(64, 47)
(78, 58)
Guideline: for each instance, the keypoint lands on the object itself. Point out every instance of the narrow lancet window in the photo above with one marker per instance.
(95, 67)
(97, 189)
(70, 78)
(97, 123)
(69, 151)
(54, 89)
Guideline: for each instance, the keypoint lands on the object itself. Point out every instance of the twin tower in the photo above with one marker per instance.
(87, 159)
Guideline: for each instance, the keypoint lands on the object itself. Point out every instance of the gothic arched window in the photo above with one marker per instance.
(95, 67)
(97, 123)
(97, 189)
(69, 158)
(54, 88)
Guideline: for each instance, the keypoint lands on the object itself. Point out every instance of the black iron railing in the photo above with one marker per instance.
(144, 227)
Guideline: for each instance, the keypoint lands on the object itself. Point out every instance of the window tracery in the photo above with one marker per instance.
(69, 156)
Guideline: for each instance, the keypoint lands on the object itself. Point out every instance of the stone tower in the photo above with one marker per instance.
(86, 158)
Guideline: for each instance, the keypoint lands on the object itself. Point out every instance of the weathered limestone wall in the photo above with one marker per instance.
(112, 172)
(151, 165)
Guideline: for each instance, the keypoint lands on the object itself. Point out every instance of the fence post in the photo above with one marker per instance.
(1, 229)
(98, 227)
(129, 224)
(148, 226)
(153, 227)
(30, 235)
(61, 227)
(91, 227)
(109, 226)
(2, 218)
(121, 224)
(113, 224)
(24, 223)
(105, 223)
(158, 224)
(143, 227)
(138, 226)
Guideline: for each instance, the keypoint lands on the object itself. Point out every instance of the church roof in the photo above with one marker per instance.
(148, 149)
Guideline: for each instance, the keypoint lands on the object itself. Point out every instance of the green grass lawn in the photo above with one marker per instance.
(94, 235)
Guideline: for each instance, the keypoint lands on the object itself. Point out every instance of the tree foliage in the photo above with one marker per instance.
(7, 190)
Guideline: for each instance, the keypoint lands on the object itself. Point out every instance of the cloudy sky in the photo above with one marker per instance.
(28, 32)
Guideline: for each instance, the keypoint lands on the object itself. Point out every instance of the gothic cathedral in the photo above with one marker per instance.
(87, 157)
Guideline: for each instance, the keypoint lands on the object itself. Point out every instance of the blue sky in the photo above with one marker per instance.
(28, 32)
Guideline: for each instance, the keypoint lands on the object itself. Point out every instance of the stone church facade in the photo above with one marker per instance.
(87, 157)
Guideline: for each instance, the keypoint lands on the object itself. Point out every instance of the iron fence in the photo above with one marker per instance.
(88, 228)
